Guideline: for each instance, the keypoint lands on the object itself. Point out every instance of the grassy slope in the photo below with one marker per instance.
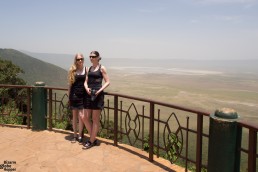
(200, 92)
(36, 70)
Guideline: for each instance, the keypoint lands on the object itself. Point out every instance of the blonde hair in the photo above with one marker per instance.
(72, 70)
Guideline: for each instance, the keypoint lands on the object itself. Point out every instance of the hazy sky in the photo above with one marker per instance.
(189, 29)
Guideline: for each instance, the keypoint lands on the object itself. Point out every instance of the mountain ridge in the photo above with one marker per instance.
(36, 69)
(237, 65)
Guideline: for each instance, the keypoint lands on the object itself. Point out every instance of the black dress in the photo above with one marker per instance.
(95, 83)
(78, 92)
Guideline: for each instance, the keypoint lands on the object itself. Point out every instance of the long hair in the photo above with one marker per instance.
(72, 70)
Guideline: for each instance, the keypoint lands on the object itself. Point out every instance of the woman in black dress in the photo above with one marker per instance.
(95, 97)
(76, 92)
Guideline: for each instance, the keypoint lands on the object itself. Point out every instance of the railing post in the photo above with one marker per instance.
(39, 106)
(186, 144)
(151, 132)
(50, 122)
(223, 150)
(28, 107)
(115, 119)
(199, 142)
(252, 151)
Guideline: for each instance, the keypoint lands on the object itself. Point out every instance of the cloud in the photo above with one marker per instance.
(233, 19)
(145, 10)
(194, 21)
(248, 6)
(227, 18)
(226, 1)
(151, 10)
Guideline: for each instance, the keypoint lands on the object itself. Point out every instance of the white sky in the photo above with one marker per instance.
(186, 29)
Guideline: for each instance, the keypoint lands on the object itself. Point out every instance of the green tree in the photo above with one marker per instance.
(9, 73)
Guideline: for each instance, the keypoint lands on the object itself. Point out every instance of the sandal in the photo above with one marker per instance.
(88, 145)
(80, 139)
(96, 142)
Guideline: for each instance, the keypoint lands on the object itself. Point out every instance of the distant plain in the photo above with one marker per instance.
(200, 88)
(199, 84)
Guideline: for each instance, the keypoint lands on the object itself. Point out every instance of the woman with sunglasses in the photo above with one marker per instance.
(76, 92)
(95, 97)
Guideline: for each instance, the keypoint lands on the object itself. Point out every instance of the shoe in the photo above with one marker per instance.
(74, 140)
(88, 145)
(96, 142)
(80, 139)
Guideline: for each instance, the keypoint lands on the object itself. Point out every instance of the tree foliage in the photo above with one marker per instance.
(9, 73)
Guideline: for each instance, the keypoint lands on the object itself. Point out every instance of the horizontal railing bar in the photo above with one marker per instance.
(193, 131)
(15, 86)
(244, 150)
(56, 88)
(248, 124)
(160, 103)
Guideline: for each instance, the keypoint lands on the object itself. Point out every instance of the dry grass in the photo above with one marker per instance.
(206, 92)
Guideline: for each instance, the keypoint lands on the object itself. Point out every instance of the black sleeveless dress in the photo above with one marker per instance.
(78, 92)
(95, 83)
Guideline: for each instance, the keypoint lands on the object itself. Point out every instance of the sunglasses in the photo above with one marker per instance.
(93, 56)
(81, 59)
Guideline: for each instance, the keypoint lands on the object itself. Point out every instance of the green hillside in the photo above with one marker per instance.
(36, 70)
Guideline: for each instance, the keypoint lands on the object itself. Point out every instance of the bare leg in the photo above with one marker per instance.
(95, 125)
(80, 122)
(87, 120)
(75, 117)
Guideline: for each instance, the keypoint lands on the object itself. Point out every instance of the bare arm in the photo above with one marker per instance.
(69, 89)
(106, 79)
(86, 82)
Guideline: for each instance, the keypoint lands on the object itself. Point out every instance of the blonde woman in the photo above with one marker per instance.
(76, 92)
